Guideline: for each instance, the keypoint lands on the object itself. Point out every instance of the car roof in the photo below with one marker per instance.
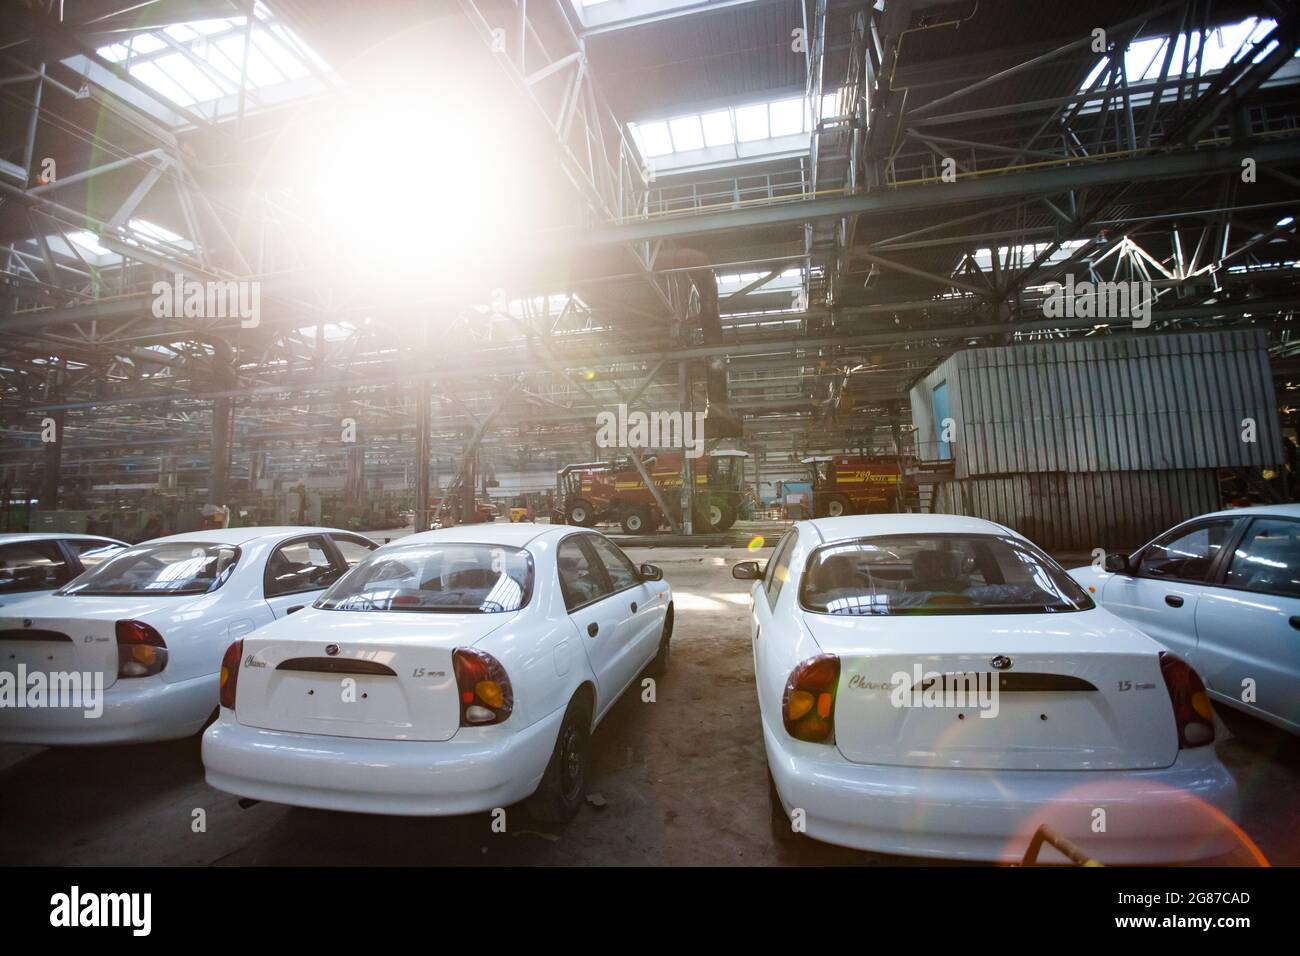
(17, 537)
(515, 534)
(860, 526)
(239, 536)
(1281, 510)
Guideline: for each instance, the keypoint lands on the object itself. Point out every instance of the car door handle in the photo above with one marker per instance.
(634, 607)
(1173, 600)
(296, 607)
(593, 628)
(1294, 621)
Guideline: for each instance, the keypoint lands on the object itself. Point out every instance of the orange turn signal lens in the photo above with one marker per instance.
(801, 702)
(489, 691)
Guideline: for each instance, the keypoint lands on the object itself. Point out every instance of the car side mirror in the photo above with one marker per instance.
(747, 571)
(1118, 564)
(651, 572)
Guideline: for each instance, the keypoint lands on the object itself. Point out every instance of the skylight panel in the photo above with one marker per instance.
(152, 230)
(687, 133)
(149, 74)
(144, 43)
(189, 77)
(751, 123)
(787, 117)
(204, 62)
(89, 241)
(1144, 59)
(717, 128)
(261, 72)
(655, 140)
(298, 48)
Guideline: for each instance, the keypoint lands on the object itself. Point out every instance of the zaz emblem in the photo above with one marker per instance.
(332, 649)
(1000, 663)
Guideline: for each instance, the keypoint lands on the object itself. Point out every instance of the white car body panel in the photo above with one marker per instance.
(923, 782)
(1231, 636)
(197, 630)
(407, 754)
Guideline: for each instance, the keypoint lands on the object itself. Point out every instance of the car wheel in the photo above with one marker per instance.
(782, 831)
(564, 783)
(659, 664)
(636, 520)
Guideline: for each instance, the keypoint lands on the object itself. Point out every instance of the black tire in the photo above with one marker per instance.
(728, 517)
(837, 505)
(700, 520)
(659, 663)
(564, 784)
(636, 520)
(212, 719)
(782, 831)
(581, 513)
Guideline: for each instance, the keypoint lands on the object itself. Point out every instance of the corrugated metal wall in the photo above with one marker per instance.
(1082, 511)
(1118, 403)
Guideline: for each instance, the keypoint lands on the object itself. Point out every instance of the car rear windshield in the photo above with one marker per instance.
(175, 568)
(446, 578)
(937, 574)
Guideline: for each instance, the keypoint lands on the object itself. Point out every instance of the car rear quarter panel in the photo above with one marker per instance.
(783, 641)
(541, 650)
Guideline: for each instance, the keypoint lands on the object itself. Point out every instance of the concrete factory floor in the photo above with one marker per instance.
(682, 780)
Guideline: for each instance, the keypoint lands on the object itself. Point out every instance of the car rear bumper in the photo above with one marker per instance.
(135, 710)
(480, 768)
(1171, 815)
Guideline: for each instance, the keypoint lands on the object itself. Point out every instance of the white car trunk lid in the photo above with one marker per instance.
(79, 636)
(372, 674)
(1081, 694)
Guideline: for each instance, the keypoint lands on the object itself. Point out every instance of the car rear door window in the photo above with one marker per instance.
(1268, 558)
(302, 565)
(353, 550)
(778, 570)
(582, 580)
(1186, 554)
(622, 572)
(90, 553)
(32, 566)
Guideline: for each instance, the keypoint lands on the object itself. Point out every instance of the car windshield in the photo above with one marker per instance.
(178, 567)
(437, 577)
(937, 574)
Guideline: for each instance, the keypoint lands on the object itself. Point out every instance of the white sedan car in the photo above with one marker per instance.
(1223, 592)
(452, 672)
(935, 685)
(136, 642)
(32, 565)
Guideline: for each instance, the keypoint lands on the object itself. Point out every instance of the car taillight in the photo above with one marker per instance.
(141, 650)
(1192, 711)
(230, 673)
(486, 696)
(808, 706)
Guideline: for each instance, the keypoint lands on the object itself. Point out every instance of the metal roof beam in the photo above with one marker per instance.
(892, 202)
